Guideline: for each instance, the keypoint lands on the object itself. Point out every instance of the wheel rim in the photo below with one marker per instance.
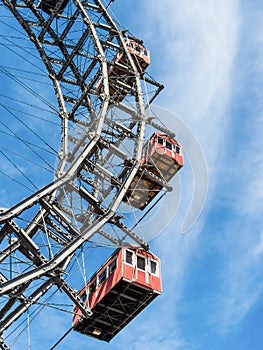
(97, 141)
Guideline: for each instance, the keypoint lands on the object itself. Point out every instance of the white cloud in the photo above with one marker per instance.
(241, 240)
(243, 252)
(240, 278)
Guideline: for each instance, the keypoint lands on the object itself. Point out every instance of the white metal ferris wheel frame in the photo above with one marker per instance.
(76, 156)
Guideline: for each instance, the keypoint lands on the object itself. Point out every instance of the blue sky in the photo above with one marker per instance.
(209, 56)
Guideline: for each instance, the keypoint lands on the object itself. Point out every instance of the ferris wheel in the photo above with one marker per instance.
(77, 106)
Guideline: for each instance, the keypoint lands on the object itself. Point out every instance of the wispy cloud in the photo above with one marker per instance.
(241, 235)
(196, 43)
(241, 247)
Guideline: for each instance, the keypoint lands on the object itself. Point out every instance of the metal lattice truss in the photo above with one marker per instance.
(101, 149)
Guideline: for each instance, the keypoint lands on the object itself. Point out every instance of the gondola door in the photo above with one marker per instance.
(153, 272)
(141, 269)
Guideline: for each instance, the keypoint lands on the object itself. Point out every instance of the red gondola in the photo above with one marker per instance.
(123, 286)
(120, 82)
(163, 157)
(140, 55)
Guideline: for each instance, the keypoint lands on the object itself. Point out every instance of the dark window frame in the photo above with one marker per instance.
(142, 259)
(83, 297)
(159, 138)
(177, 149)
(155, 264)
(102, 276)
(93, 287)
(169, 145)
(112, 266)
(129, 257)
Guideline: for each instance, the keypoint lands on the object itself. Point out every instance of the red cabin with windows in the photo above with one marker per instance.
(121, 81)
(122, 287)
(140, 55)
(163, 157)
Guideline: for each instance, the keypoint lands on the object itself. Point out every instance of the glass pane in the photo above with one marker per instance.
(128, 257)
(102, 276)
(168, 145)
(160, 140)
(112, 266)
(153, 267)
(141, 263)
(92, 287)
(83, 297)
